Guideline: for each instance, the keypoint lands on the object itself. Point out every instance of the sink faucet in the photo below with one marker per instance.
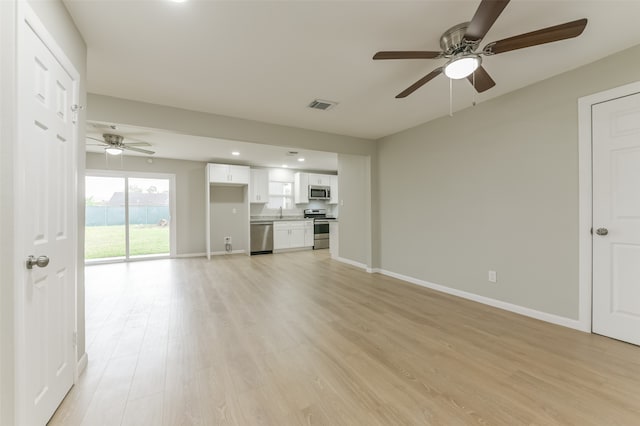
(280, 212)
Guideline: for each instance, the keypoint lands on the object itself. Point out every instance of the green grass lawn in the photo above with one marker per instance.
(109, 241)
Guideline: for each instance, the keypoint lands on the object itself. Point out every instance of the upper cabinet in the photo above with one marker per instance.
(334, 190)
(321, 180)
(304, 180)
(228, 174)
(301, 188)
(259, 186)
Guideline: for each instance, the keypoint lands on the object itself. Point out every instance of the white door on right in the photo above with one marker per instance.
(616, 218)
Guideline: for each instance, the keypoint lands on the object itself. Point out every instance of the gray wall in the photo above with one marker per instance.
(190, 194)
(354, 180)
(224, 221)
(495, 187)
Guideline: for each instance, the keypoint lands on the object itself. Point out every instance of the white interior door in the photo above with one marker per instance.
(616, 218)
(46, 152)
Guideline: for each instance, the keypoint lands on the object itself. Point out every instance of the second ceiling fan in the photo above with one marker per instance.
(459, 45)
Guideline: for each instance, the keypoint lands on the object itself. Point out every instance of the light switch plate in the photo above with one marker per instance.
(493, 277)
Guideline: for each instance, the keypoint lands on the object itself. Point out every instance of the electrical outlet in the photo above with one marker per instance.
(227, 240)
(493, 277)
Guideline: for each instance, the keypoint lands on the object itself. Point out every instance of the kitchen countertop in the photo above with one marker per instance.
(262, 219)
(277, 219)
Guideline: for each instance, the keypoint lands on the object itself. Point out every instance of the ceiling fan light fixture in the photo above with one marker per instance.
(113, 150)
(462, 66)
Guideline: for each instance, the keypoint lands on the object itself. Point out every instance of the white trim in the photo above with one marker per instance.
(82, 364)
(289, 250)
(186, 255)
(352, 263)
(528, 312)
(585, 191)
(8, 132)
(113, 260)
(221, 253)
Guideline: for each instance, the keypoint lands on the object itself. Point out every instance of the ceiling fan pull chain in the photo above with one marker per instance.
(473, 77)
(451, 97)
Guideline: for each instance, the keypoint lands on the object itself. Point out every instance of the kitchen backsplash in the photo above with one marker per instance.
(258, 210)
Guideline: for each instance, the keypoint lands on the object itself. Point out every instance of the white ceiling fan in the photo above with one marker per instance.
(114, 144)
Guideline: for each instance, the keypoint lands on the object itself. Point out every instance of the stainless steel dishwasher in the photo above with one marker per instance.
(261, 237)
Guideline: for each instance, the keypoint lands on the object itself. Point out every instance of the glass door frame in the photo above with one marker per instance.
(126, 175)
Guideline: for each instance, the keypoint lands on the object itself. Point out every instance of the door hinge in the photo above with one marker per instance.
(75, 339)
(75, 109)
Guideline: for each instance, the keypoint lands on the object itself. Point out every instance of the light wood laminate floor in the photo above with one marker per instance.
(299, 339)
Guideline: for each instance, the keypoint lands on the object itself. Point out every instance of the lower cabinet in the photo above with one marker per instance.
(292, 234)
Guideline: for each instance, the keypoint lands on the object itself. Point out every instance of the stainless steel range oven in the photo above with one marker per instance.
(320, 227)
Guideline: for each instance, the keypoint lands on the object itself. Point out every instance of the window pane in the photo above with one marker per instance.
(104, 218)
(275, 202)
(148, 216)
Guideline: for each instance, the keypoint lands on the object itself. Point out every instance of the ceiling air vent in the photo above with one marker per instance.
(322, 105)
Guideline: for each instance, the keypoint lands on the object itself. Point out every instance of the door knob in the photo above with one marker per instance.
(602, 231)
(40, 261)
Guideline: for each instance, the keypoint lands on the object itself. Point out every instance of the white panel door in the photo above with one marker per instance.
(616, 219)
(46, 148)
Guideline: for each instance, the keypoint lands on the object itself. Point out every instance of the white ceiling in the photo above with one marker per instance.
(266, 60)
(197, 148)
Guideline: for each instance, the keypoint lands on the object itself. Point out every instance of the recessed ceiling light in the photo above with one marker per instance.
(301, 159)
(284, 166)
(236, 153)
(178, 1)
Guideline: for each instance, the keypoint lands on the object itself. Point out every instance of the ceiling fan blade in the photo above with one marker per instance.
(409, 54)
(96, 144)
(418, 84)
(144, 151)
(534, 38)
(95, 139)
(483, 20)
(137, 144)
(129, 138)
(482, 79)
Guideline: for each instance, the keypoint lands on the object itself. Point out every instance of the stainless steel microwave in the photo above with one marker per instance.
(319, 192)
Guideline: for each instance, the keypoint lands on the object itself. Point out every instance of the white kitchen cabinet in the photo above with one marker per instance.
(297, 236)
(259, 186)
(308, 233)
(292, 234)
(318, 179)
(228, 174)
(301, 188)
(281, 234)
(334, 190)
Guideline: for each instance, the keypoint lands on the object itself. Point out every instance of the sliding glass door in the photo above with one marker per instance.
(128, 216)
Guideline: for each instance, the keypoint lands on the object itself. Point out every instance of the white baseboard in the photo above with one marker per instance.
(289, 250)
(220, 253)
(351, 262)
(203, 254)
(82, 363)
(532, 313)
